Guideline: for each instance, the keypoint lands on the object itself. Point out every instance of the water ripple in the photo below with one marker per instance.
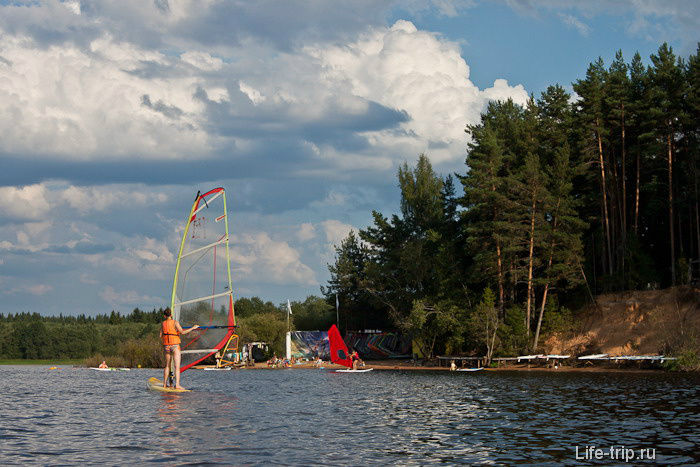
(307, 417)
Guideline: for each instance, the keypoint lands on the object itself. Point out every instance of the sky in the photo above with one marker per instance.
(113, 114)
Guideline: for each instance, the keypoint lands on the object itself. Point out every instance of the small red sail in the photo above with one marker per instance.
(339, 351)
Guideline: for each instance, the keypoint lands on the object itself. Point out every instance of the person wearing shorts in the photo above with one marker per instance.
(170, 331)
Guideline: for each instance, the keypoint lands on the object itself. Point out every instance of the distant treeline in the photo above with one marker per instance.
(32, 336)
(563, 198)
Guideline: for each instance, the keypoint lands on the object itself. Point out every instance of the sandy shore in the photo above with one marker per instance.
(409, 366)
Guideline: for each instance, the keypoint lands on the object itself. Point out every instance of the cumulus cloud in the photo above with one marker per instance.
(28, 202)
(202, 60)
(335, 231)
(127, 297)
(258, 257)
(418, 73)
(86, 199)
(152, 250)
(72, 102)
(306, 232)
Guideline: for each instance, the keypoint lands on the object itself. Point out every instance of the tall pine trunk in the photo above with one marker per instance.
(501, 293)
(546, 285)
(624, 195)
(697, 211)
(670, 208)
(606, 218)
(530, 262)
(499, 265)
(636, 196)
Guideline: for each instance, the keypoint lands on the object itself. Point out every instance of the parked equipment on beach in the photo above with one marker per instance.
(202, 288)
(339, 352)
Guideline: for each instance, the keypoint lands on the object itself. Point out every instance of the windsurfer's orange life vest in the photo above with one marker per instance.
(170, 334)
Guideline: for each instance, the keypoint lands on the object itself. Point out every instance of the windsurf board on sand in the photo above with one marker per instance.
(469, 369)
(157, 385)
(354, 371)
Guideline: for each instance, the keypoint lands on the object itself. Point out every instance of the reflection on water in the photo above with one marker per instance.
(70, 416)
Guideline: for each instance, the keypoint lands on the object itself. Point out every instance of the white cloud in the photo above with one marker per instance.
(34, 202)
(152, 250)
(127, 297)
(39, 289)
(28, 202)
(575, 23)
(74, 103)
(29, 236)
(418, 73)
(258, 257)
(86, 199)
(73, 6)
(335, 231)
(306, 232)
(252, 93)
(202, 60)
(33, 289)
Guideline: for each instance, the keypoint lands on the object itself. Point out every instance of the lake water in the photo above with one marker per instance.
(71, 416)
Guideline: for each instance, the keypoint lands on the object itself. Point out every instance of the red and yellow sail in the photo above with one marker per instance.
(202, 288)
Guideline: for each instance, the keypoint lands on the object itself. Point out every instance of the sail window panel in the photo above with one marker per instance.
(205, 247)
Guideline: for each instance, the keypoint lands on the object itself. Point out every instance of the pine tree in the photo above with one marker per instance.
(485, 199)
(617, 104)
(667, 90)
(591, 113)
(693, 111)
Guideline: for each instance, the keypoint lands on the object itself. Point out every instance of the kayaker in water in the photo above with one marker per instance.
(170, 331)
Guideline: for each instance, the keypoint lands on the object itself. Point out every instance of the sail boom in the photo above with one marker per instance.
(206, 247)
(199, 351)
(201, 299)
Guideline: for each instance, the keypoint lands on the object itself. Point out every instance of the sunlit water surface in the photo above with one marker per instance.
(71, 416)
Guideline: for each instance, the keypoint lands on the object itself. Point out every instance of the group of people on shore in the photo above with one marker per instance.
(276, 362)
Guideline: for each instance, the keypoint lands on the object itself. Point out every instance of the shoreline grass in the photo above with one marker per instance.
(59, 361)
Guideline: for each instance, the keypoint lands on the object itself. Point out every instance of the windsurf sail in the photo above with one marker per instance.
(339, 351)
(202, 288)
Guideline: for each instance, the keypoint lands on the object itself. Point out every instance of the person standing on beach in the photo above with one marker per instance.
(170, 331)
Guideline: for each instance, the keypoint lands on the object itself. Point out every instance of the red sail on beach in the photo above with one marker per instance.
(339, 351)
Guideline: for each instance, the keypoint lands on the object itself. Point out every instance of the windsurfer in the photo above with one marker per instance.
(170, 331)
